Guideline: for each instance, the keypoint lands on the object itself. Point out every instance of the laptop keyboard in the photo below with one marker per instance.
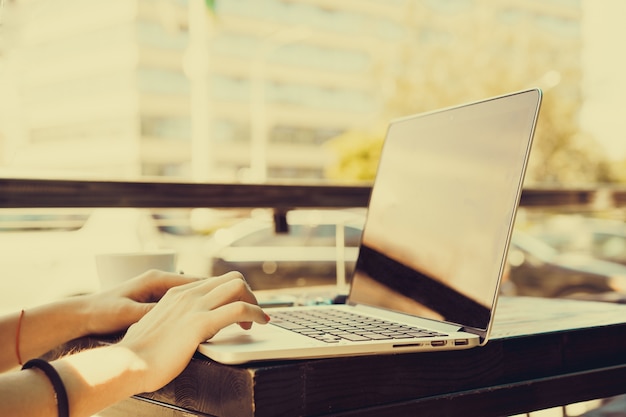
(333, 326)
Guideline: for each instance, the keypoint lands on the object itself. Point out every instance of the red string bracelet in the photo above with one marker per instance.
(17, 338)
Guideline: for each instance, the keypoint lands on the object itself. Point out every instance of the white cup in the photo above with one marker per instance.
(115, 268)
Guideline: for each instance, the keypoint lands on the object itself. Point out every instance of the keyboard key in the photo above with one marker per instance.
(353, 337)
(375, 336)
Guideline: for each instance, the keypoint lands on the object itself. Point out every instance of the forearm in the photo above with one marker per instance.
(41, 330)
(100, 377)
(93, 380)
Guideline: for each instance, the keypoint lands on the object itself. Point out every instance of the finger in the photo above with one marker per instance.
(234, 290)
(208, 284)
(232, 276)
(230, 291)
(236, 312)
(152, 285)
(247, 325)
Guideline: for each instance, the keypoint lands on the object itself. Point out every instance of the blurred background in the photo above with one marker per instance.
(294, 91)
(264, 90)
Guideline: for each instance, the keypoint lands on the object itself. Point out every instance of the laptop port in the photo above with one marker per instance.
(407, 345)
(438, 343)
(461, 342)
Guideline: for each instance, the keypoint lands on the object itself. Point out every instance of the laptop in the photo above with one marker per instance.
(434, 243)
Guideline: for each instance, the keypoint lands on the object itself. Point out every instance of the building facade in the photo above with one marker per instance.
(252, 90)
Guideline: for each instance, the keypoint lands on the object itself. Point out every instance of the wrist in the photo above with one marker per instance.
(74, 316)
(60, 393)
(100, 377)
(47, 327)
(82, 317)
(82, 313)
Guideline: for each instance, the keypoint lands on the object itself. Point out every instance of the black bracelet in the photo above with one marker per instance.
(57, 384)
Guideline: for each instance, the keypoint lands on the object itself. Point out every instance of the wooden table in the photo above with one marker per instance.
(543, 353)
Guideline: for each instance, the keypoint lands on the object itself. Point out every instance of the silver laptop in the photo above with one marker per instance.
(434, 244)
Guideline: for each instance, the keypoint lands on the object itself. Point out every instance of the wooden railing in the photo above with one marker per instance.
(39, 193)
(18, 193)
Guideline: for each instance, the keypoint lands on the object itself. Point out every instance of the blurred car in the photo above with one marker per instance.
(600, 238)
(538, 269)
(606, 239)
(318, 247)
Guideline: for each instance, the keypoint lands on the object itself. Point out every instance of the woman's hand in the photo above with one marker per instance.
(168, 335)
(115, 309)
(155, 349)
(45, 327)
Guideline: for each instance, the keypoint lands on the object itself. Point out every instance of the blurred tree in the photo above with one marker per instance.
(618, 170)
(446, 59)
(359, 152)
(210, 4)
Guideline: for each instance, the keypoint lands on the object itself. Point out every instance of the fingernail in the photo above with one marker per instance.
(267, 317)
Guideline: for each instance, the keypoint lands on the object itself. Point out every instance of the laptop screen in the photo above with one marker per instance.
(442, 208)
